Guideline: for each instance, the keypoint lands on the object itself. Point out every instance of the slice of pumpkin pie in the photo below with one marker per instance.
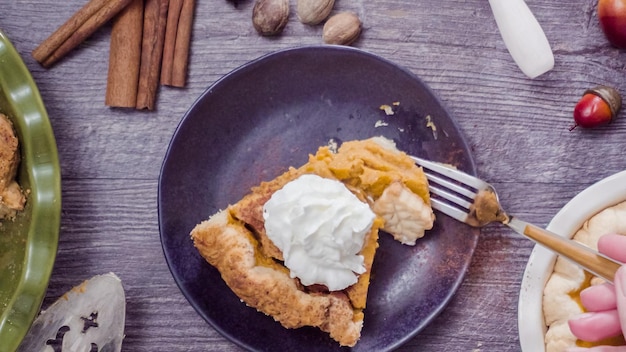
(300, 247)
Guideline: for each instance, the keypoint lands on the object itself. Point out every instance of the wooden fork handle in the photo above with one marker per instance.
(587, 258)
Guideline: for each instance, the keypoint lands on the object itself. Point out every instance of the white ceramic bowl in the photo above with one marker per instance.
(601, 195)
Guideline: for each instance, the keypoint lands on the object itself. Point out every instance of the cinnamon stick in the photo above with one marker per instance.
(173, 14)
(177, 40)
(125, 57)
(183, 42)
(76, 29)
(155, 19)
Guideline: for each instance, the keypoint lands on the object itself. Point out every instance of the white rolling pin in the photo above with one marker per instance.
(523, 36)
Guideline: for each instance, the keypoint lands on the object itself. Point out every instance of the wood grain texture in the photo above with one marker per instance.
(517, 129)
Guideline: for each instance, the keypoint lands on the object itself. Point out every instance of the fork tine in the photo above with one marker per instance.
(450, 185)
(454, 191)
(453, 174)
(461, 202)
(449, 210)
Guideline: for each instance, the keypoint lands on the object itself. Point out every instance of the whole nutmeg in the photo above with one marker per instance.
(314, 11)
(270, 17)
(343, 29)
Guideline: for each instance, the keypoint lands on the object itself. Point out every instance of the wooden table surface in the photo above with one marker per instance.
(517, 128)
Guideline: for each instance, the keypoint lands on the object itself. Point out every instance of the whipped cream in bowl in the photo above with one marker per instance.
(320, 227)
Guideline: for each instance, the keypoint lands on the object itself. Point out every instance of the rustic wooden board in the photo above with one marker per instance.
(517, 129)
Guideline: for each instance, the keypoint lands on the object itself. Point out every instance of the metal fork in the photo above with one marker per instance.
(475, 202)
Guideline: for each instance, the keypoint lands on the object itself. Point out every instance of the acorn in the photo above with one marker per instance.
(612, 18)
(598, 106)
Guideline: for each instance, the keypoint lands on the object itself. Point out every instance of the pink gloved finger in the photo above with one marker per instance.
(613, 246)
(620, 293)
(599, 298)
(596, 326)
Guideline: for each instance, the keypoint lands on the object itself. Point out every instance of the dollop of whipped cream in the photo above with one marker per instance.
(320, 227)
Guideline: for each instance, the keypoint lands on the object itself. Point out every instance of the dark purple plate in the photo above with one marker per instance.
(271, 113)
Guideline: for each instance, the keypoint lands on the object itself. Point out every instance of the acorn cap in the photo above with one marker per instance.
(610, 95)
